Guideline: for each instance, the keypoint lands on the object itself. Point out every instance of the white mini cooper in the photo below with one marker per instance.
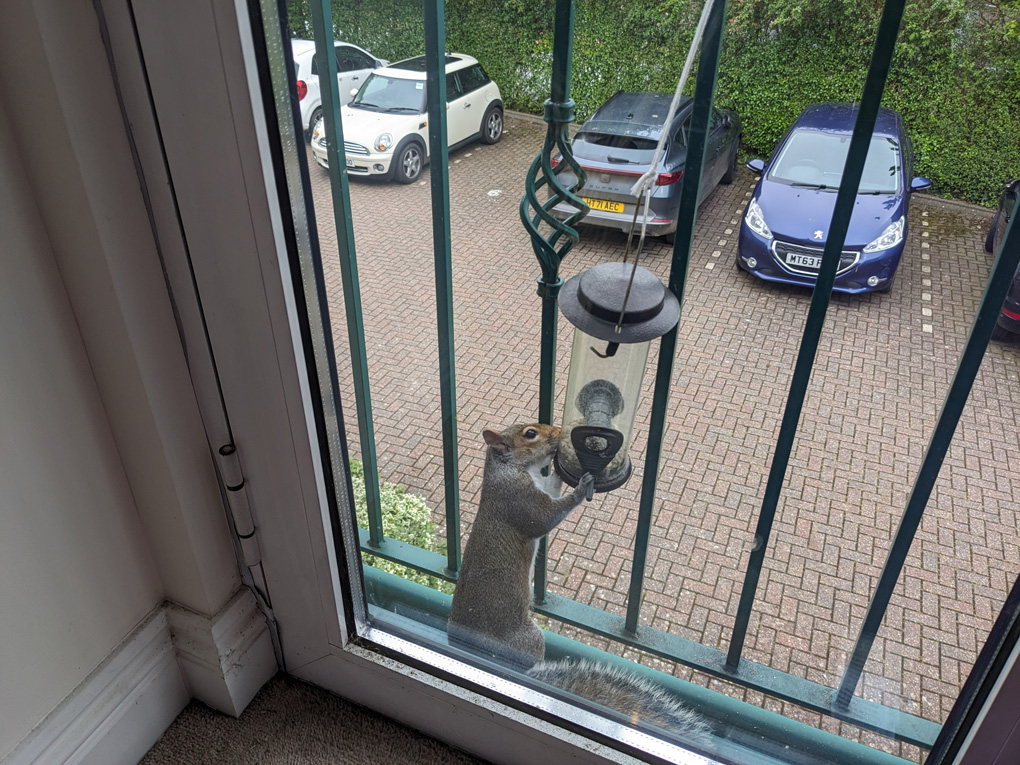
(386, 124)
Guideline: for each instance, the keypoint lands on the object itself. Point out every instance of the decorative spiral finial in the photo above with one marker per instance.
(542, 173)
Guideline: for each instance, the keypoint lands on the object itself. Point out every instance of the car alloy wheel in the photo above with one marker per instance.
(409, 163)
(492, 125)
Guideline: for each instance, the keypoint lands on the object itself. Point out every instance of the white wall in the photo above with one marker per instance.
(75, 573)
(109, 501)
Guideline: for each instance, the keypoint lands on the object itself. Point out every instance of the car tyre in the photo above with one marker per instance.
(409, 163)
(731, 171)
(316, 116)
(1001, 335)
(492, 124)
(990, 236)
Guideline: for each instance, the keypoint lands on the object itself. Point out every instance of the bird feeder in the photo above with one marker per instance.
(617, 310)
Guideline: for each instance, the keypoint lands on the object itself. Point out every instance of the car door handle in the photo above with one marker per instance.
(467, 106)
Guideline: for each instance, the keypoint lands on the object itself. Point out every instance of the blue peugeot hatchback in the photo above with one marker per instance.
(784, 229)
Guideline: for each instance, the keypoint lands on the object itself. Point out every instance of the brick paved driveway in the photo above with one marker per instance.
(882, 371)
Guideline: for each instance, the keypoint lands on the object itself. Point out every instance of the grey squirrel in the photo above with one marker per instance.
(491, 612)
(492, 600)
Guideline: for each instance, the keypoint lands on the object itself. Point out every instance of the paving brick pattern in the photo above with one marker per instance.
(882, 371)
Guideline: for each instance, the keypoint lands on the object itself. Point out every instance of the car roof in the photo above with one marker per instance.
(414, 68)
(633, 113)
(840, 118)
(300, 47)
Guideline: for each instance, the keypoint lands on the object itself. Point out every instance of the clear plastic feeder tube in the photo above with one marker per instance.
(603, 388)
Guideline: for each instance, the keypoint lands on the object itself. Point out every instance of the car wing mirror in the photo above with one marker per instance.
(354, 92)
(757, 165)
(1013, 186)
(919, 184)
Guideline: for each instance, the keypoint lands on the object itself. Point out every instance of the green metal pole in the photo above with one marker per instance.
(435, 79)
(321, 12)
(704, 92)
(871, 99)
(559, 113)
(970, 361)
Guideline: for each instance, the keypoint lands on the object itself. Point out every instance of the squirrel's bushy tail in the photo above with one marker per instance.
(625, 692)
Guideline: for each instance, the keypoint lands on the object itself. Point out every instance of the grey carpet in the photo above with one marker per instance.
(292, 722)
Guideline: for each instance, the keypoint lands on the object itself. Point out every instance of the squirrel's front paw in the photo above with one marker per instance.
(586, 486)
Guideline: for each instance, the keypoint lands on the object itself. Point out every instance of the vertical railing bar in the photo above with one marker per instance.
(330, 90)
(439, 152)
(550, 283)
(704, 92)
(871, 99)
(970, 362)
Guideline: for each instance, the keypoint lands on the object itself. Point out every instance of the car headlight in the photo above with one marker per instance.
(756, 221)
(892, 236)
(318, 131)
(383, 142)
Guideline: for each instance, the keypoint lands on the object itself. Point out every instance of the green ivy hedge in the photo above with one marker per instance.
(955, 76)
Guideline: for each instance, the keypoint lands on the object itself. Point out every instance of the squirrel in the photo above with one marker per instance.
(491, 615)
(519, 506)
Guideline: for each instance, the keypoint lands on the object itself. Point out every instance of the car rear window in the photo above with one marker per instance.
(611, 141)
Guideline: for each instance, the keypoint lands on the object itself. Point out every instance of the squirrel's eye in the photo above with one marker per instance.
(531, 434)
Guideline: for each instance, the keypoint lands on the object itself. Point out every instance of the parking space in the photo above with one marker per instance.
(881, 374)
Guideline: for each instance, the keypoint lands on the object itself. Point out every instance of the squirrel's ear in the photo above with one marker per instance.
(494, 439)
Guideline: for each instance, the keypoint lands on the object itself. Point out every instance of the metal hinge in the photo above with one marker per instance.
(246, 539)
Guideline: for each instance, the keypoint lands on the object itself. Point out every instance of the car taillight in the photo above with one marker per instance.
(302, 90)
(553, 162)
(667, 179)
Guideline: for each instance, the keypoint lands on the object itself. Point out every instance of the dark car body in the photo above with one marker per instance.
(1007, 326)
(785, 225)
(616, 146)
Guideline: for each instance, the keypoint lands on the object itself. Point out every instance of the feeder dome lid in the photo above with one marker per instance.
(592, 302)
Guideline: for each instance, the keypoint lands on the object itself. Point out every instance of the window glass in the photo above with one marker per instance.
(453, 90)
(349, 60)
(844, 493)
(680, 137)
(473, 77)
(390, 94)
(816, 158)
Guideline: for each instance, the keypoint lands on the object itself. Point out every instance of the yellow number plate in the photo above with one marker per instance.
(604, 204)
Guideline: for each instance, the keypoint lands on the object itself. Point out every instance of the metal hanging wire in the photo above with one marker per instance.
(642, 188)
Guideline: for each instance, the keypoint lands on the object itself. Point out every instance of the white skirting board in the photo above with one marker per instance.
(122, 708)
(225, 659)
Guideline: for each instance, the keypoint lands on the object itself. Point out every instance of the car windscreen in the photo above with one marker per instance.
(391, 94)
(815, 159)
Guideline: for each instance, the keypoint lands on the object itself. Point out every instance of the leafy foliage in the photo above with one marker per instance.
(407, 518)
(955, 76)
